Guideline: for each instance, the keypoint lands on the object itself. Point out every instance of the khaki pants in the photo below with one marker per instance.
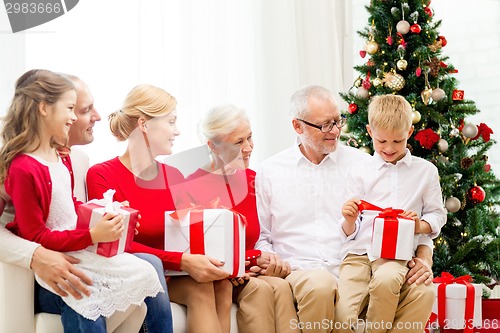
(265, 305)
(379, 287)
(315, 294)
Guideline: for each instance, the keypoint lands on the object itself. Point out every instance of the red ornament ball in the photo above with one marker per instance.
(476, 194)
(487, 168)
(443, 41)
(415, 28)
(353, 107)
(428, 11)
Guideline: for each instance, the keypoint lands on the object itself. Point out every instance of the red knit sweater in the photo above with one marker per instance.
(152, 198)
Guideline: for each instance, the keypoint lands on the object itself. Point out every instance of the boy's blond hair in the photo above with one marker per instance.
(390, 112)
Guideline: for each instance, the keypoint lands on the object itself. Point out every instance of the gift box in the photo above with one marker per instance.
(217, 233)
(458, 302)
(93, 211)
(392, 236)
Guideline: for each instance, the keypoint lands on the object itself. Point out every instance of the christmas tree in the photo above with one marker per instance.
(404, 55)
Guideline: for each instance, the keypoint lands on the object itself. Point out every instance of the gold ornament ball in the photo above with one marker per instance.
(416, 116)
(403, 27)
(395, 82)
(362, 93)
(402, 64)
(443, 145)
(365, 149)
(377, 82)
(371, 47)
(470, 131)
(358, 82)
(438, 94)
(345, 129)
(453, 204)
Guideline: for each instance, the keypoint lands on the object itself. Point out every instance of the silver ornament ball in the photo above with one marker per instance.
(469, 130)
(442, 145)
(403, 27)
(453, 204)
(362, 93)
(438, 94)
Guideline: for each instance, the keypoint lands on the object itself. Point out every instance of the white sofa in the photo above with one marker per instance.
(17, 309)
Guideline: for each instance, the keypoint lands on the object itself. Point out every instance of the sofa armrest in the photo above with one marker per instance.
(16, 299)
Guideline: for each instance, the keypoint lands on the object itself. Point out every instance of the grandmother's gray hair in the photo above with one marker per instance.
(220, 121)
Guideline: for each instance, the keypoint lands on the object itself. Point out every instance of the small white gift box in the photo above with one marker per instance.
(217, 233)
(455, 306)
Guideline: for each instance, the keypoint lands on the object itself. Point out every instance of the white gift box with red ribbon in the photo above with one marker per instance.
(217, 233)
(392, 236)
(93, 211)
(461, 301)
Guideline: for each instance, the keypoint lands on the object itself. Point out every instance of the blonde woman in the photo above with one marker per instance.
(147, 121)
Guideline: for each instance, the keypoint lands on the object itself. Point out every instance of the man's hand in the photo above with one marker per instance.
(420, 267)
(202, 268)
(58, 271)
(237, 281)
(273, 265)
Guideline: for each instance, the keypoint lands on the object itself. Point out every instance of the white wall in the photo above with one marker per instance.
(114, 50)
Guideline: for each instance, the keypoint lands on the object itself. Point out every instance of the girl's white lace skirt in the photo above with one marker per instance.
(119, 281)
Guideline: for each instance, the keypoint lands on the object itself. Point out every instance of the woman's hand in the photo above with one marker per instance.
(202, 268)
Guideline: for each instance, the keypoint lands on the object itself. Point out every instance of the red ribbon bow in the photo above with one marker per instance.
(444, 280)
(384, 212)
(391, 226)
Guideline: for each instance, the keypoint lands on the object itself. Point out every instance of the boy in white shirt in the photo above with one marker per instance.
(394, 179)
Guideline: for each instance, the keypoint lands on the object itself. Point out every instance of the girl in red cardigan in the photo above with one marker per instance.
(39, 185)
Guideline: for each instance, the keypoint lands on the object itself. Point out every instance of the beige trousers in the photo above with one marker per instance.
(379, 288)
(315, 294)
(265, 304)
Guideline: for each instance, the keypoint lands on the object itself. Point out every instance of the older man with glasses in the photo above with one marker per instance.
(300, 192)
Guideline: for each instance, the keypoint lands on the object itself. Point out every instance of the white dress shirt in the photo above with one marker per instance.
(299, 205)
(410, 184)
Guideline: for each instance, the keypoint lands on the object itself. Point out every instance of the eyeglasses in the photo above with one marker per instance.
(325, 128)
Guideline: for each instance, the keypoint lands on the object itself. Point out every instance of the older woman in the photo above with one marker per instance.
(147, 120)
(265, 302)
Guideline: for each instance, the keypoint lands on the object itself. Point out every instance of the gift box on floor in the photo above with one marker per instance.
(92, 212)
(217, 233)
(458, 302)
(393, 234)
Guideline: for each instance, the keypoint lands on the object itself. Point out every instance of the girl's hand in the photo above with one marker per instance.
(108, 229)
